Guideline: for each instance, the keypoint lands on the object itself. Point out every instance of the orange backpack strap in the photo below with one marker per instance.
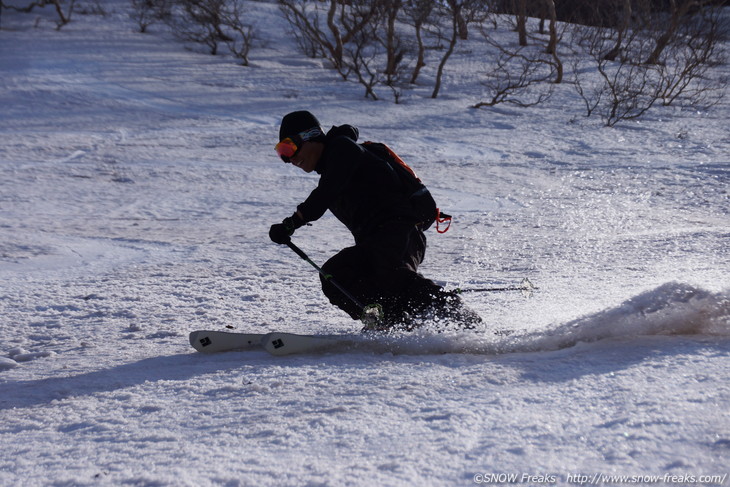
(400, 161)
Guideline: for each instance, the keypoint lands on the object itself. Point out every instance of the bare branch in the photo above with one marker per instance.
(514, 77)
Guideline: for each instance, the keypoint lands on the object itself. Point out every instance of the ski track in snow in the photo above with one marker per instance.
(137, 185)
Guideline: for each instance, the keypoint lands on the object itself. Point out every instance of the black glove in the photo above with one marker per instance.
(281, 232)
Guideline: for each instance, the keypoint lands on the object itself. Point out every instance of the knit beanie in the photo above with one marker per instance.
(296, 122)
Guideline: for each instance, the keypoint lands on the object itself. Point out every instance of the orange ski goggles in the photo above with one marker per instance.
(289, 147)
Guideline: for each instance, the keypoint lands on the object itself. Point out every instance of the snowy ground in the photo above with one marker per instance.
(137, 185)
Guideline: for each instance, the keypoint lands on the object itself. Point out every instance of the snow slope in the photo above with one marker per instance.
(137, 185)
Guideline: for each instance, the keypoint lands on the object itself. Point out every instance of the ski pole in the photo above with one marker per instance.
(525, 286)
(368, 314)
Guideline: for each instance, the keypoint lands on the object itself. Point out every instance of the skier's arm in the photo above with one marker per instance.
(344, 155)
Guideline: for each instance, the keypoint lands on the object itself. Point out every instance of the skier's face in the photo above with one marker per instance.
(308, 156)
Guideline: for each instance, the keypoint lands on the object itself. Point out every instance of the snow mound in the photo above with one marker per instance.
(671, 309)
(21, 355)
(7, 363)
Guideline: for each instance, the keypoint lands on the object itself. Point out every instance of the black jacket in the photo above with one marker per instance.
(358, 187)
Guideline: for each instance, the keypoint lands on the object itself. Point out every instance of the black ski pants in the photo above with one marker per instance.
(382, 268)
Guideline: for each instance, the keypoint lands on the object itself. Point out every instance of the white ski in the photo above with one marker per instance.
(209, 341)
(276, 343)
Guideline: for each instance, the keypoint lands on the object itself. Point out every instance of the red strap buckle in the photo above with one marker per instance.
(442, 218)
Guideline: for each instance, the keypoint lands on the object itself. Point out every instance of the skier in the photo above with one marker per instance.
(365, 194)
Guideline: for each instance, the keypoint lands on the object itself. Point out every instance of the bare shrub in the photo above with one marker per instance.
(242, 34)
(623, 89)
(199, 21)
(63, 9)
(343, 20)
(362, 39)
(380, 42)
(456, 15)
(682, 49)
(686, 61)
(519, 78)
(147, 12)
(212, 23)
(418, 13)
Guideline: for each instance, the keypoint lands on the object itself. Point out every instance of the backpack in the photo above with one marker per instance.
(418, 194)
